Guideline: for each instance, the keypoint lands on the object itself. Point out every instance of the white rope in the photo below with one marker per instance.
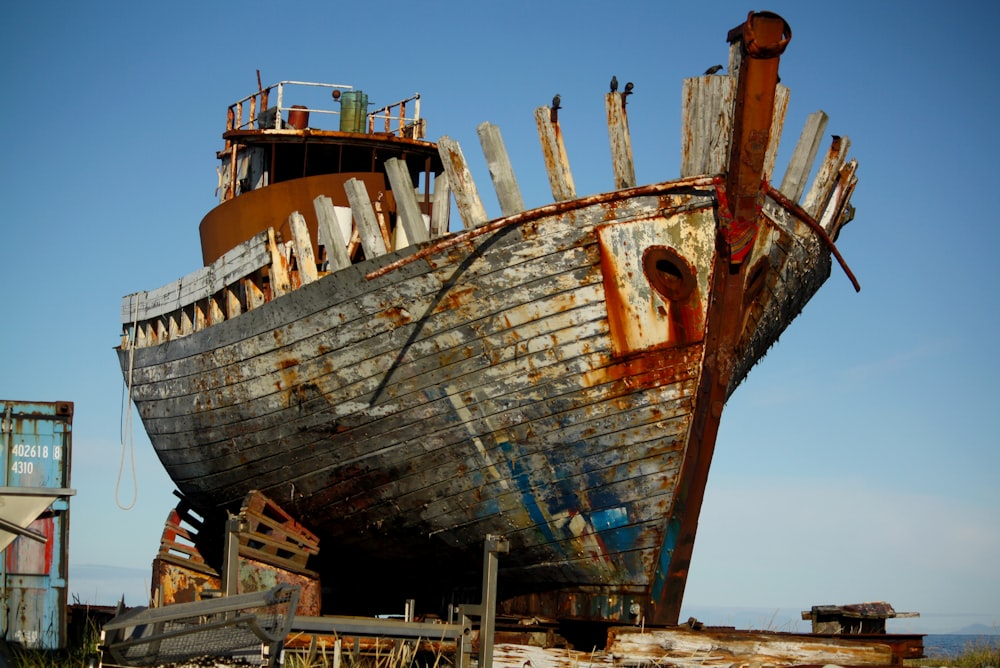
(128, 444)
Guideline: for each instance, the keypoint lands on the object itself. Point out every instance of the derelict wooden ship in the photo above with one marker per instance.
(555, 376)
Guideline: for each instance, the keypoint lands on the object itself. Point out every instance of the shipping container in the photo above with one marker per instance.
(34, 521)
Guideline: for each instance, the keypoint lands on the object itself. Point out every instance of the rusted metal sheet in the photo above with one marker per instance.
(35, 455)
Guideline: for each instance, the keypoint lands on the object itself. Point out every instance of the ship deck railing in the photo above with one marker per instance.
(268, 109)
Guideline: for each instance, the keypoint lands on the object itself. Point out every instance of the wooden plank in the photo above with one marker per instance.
(777, 125)
(231, 296)
(681, 646)
(833, 216)
(504, 181)
(621, 142)
(554, 153)
(800, 166)
(330, 234)
(278, 270)
(408, 213)
(706, 124)
(364, 218)
(302, 243)
(463, 187)
(441, 206)
(826, 177)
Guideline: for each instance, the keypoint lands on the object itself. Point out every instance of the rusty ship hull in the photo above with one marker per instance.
(555, 376)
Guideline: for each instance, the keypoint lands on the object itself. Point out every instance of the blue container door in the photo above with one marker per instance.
(35, 456)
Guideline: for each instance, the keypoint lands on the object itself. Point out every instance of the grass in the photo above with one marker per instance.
(978, 653)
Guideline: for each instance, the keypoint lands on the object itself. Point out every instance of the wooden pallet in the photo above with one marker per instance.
(270, 535)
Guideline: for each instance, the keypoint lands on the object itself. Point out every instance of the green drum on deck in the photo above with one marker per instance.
(353, 111)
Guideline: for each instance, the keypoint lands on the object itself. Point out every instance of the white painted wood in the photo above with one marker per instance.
(685, 647)
(554, 153)
(364, 218)
(832, 217)
(302, 245)
(408, 214)
(826, 176)
(229, 268)
(470, 206)
(441, 206)
(800, 166)
(330, 233)
(498, 162)
(777, 125)
(707, 108)
(621, 142)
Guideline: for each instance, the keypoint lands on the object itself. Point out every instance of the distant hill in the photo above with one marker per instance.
(978, 630)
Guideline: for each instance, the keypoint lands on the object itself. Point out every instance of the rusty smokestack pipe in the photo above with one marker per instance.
(762, 39)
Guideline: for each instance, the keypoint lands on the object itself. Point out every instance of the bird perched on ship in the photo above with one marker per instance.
(554, 109)
(713, 69)
(614, 84)
(625, 93)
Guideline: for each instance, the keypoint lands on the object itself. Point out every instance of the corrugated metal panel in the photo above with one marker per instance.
(35, 460)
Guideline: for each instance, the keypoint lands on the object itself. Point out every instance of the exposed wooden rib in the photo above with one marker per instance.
(407, 208)
(834, 214)
(621, 141)
(707, 122)
(364, 218)
(234, 265)
(280, 283)
(554, 152)
(799, 167)
(470, 207)
(233, 306)
(252, 288)
(329, 233)
(302, 244)
(777, 124)
(441, 207)
(508, 192)
(825, 179)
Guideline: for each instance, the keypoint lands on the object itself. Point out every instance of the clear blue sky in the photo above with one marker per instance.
(858, 462)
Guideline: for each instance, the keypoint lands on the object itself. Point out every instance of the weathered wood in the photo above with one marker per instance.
(302, 244)
(441, 206)
(621, 142)
(706, 124)
(279, 280)
(826, 176)
(470, 207)
(330, 234)
(498, 162)
(833, 216)
(228, 269)
(364, 218)
(777, 124)
(554, 153)
(709, 647)
(800, 166)
(408, 213)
